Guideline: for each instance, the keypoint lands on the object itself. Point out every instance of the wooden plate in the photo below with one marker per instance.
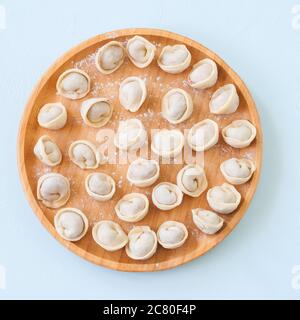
(158, 83)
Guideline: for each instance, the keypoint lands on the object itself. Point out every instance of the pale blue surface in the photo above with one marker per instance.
(257, 39)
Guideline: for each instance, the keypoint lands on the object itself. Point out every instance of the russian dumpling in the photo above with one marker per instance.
(85, 155)
(132, 93)
(174, 59)
(224, 100)
(96, 112)
(71, 224)
(237, 171)
(143, 172)
(52, 116)
(172, 234)
(100, 186)
(167, 143)
(53, 190)
(176, 106)
(204, 74)
(140, 51)
(109, 235)
(223, 199)
(207, 221)
(142, 243)
(166, 196)
(133, 207)
(47, 151)
(110, 57)
(239, 134)
(191, 180)
(73, 84)
(203, 135)
(131, 135)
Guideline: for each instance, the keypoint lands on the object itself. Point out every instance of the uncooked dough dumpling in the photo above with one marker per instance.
(110, 57)
(73, 84)
(85, 155)
(132, 93)
(167, 143)
(140, 51)
(225, 100)
(203, 135)
(47, 151)
(133, 207)
(237, 171)
(142, 243)
(143, 172)
(191, 180)
(239, 134)
(100, 186)
(131, 135)
(109, 235)
(96, 112)
(52, 116)
(71, 224)
(172, 234)
(53, 190)
(174, 59)
(223, 199)
(204, 74)
(166, 196)
(207, 221)
(176, 106)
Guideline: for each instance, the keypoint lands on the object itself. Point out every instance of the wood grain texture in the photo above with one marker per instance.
(158, 83)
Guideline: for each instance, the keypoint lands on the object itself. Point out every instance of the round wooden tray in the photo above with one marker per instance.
(158, 83)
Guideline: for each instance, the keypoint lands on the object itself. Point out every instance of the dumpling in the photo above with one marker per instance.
(174, 59)
(203, 135)
(223, 199)
(85, 155)
(166, 196)
(140, 51)
(204, 74)
(71, 224)
(53, 190)
(110, 57)
(133, 207)
(143, 172)
(100, 186)
(132, 93)
(172, 234)
(47, 151)
(167, 143)
(109, 235)
(52, 116)
(237, 171)
(177, 106)
(73, 84)
(131, 135)
(191, 180)
(225, 100)
(142, 243)
(239, 134)
(207, 221)
(96, 112)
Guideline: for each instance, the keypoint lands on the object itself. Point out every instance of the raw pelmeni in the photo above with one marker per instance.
(100, 186)
(73, 84)
(172, 234)
(166, 196)
(52, 116)
(47, 151)
(225, 100)
(204, 74)
(110, 57)
(223, 199)
(207, 221)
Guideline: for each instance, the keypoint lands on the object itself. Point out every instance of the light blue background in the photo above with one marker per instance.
(257, 39)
